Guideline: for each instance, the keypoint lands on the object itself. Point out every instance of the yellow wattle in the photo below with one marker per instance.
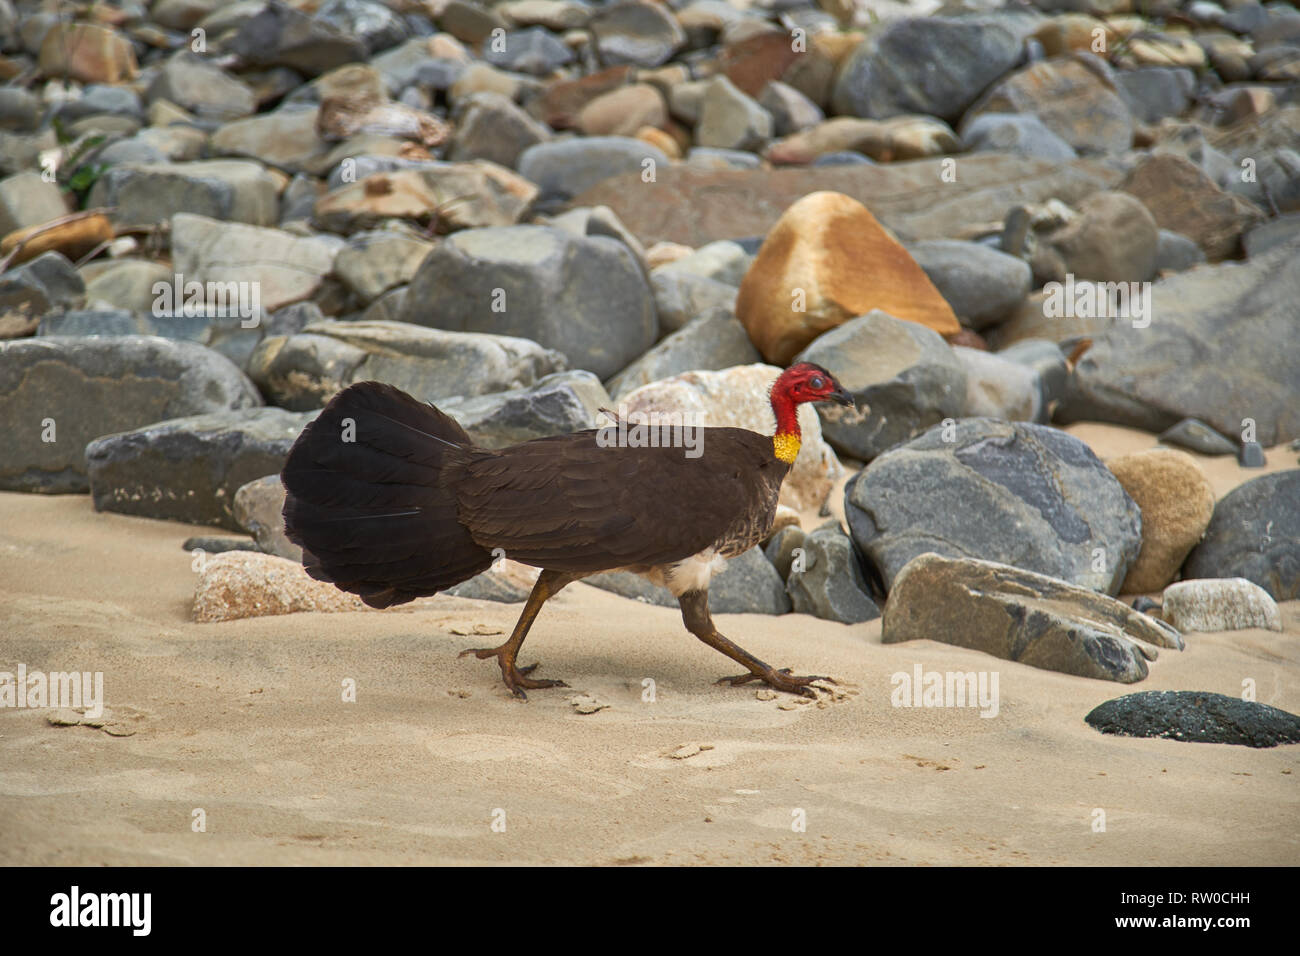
(785, 446)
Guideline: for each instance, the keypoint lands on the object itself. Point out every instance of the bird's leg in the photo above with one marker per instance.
(695, 614)
(548, 584)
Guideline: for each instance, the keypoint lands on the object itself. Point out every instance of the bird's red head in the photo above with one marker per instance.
(804, 382)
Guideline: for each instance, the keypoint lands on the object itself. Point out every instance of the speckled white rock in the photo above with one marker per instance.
(1220, 604)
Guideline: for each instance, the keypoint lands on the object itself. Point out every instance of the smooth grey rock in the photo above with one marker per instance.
(565, 168)
(1251, 455)
(304, 370)
(285, 138)
(1022, 616)
(1113, 239)
(26, 199)
(555, 405)
(1021, 133)
(128, 284)
(903, 376)
(638, 34)
(279, 35)
(196, 84)
(715, 340)
(1269, 235)
(258, 510)
(1154, 92)
(747, 585)
(1016, 493)
(584, 296)
(534, 50)
(1176, 253)
(830, 584)
(780, 548)
(682, 297)
(1220, 604)
(212, 544)
(74, 389)
(286, 267)
(791, 110)
(934, 66)
(231, 190)
(1221, 349)
(1195, 435)
(1048, 362)
(374, 24)
(722, 261)
(1196, 717)
(373, 262)
(95, 322)
(494, 128)
(731, 120)
(982, 285)
(999, 388)
(1254, 534)
(188, 469)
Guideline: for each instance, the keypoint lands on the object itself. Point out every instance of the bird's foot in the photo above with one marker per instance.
(516, 678)
(782, 680)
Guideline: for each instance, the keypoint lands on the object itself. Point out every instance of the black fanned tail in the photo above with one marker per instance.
(368, 499)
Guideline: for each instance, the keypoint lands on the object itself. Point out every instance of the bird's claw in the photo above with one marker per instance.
(781, 680)
(516, 678)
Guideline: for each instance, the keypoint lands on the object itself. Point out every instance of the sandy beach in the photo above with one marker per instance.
(246, 721)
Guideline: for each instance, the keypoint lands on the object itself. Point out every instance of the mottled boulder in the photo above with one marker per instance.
(1016, 493)
(1177, 502)
(1072, 99)
(188, 469)
(1196, 717)
(739, 398)
(58, 393)
(898, 138)
(715, 340)
(826, 580)
(305, 370)
(931, 65)
(555, 405)
(1021, 616)
(826, 261)
(258, 510)
(1220, 347)
(982, 285)
(584, 296)
(1219, 604)
(1255, 534)
(748, 584)
(903, 377)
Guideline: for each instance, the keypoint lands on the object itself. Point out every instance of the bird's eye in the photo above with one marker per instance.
(816, 381)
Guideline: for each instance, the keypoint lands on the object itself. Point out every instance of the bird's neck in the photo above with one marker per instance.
(785, 443)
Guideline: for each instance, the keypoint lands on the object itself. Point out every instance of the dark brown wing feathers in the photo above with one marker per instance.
(411, 508)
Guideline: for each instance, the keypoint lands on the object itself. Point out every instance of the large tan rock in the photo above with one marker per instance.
(1177, 502)
(738, 397)
(87, 52)
(826, 261)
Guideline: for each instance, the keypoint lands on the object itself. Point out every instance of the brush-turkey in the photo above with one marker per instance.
(391, 500)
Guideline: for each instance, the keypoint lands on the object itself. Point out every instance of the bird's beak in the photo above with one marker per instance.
(840, 397)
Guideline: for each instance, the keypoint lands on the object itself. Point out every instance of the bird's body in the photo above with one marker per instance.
(391, 500)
